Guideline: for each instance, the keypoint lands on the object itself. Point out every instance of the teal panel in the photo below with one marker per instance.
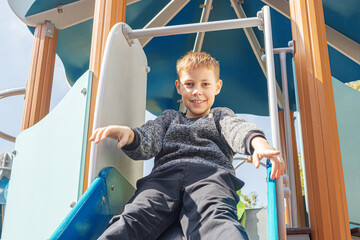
(45, 175)
(347, 104)
(119, 189)
(85, 135)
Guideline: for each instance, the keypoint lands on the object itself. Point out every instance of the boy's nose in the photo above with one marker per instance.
(196, 91)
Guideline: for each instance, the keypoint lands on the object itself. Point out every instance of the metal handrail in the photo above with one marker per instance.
(9, 93)
(244, 160)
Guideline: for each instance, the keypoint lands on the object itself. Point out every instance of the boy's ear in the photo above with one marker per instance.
(177, 84)
(219, 86)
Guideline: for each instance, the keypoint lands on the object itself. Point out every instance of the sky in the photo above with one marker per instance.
(15, 55)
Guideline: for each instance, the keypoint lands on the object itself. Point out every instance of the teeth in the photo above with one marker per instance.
(197, 101)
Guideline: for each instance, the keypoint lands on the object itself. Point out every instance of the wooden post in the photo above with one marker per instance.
(325, 181)
(39, 85)
(107, 14)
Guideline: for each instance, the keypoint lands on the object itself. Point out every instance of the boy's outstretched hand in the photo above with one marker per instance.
(123, 134)
(262, 149)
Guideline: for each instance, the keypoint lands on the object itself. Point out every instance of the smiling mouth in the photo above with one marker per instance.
(197, 101)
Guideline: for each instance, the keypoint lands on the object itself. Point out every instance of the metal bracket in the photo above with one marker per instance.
(204, 6)
(261, 16)
(50, 28)
(291, 45)
(289, 49)
(126, 29)
(59, 8)
(6, 160)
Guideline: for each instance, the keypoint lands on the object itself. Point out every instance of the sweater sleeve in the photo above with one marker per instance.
(237, 132)
(149, 137)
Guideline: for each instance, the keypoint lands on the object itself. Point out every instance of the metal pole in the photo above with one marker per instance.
(9, 93)
(204, 18)
(195, 27)
(288, 138)
(164, 17)
(285, 50)
(273, 109)
(12, 92)
(256, 47)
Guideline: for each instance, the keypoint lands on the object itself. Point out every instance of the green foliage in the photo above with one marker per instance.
(301, 174)
(355, 85)
(251, 200)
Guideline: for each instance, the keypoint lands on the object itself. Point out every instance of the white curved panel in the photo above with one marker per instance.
(121, 100)
(66, 16)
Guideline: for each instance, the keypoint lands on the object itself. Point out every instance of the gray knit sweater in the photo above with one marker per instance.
(212, 139)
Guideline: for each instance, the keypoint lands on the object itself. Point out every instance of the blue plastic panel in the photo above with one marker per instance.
(106, 196)
(89, 217)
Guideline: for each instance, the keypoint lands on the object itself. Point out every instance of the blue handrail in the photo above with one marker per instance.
(273, 233)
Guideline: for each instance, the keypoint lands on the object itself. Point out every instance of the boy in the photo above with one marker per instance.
(193, 179)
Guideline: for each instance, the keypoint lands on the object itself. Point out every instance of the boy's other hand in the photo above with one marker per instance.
(123, 134)
(262, 149)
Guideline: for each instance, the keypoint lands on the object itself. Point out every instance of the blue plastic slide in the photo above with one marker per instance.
(106, 196)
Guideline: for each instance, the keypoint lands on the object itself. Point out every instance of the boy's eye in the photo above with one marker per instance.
(188, 84)
(206, 84)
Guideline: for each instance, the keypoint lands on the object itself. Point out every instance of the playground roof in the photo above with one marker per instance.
(245, 88)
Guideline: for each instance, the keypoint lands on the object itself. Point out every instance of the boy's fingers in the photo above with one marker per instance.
(105, 133)
(93, 135)
(122, 141)
(256, 160)
(99, 135)
(280, 166)
(274, 170)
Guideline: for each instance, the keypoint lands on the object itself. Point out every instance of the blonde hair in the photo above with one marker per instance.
(193, 60)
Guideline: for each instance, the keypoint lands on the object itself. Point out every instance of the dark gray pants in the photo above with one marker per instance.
(201, 197)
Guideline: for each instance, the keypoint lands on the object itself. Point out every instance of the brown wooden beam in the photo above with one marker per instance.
(106, 14)
(324, 174)
(39, 85)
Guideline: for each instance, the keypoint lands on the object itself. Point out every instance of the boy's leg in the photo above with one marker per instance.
(154, 207)
(209, 204)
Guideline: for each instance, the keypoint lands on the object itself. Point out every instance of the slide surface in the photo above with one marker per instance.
(106, 197)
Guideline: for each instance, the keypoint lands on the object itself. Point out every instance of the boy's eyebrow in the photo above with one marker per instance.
(187, 79)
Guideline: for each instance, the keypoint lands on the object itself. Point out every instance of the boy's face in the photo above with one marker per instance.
(198, 88)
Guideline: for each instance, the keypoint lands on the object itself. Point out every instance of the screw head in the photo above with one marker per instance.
(112, 187)
(83, 91)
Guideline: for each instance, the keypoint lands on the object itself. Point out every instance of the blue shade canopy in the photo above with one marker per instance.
(245, 88)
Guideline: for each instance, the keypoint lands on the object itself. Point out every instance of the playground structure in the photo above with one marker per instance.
(88, 107)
